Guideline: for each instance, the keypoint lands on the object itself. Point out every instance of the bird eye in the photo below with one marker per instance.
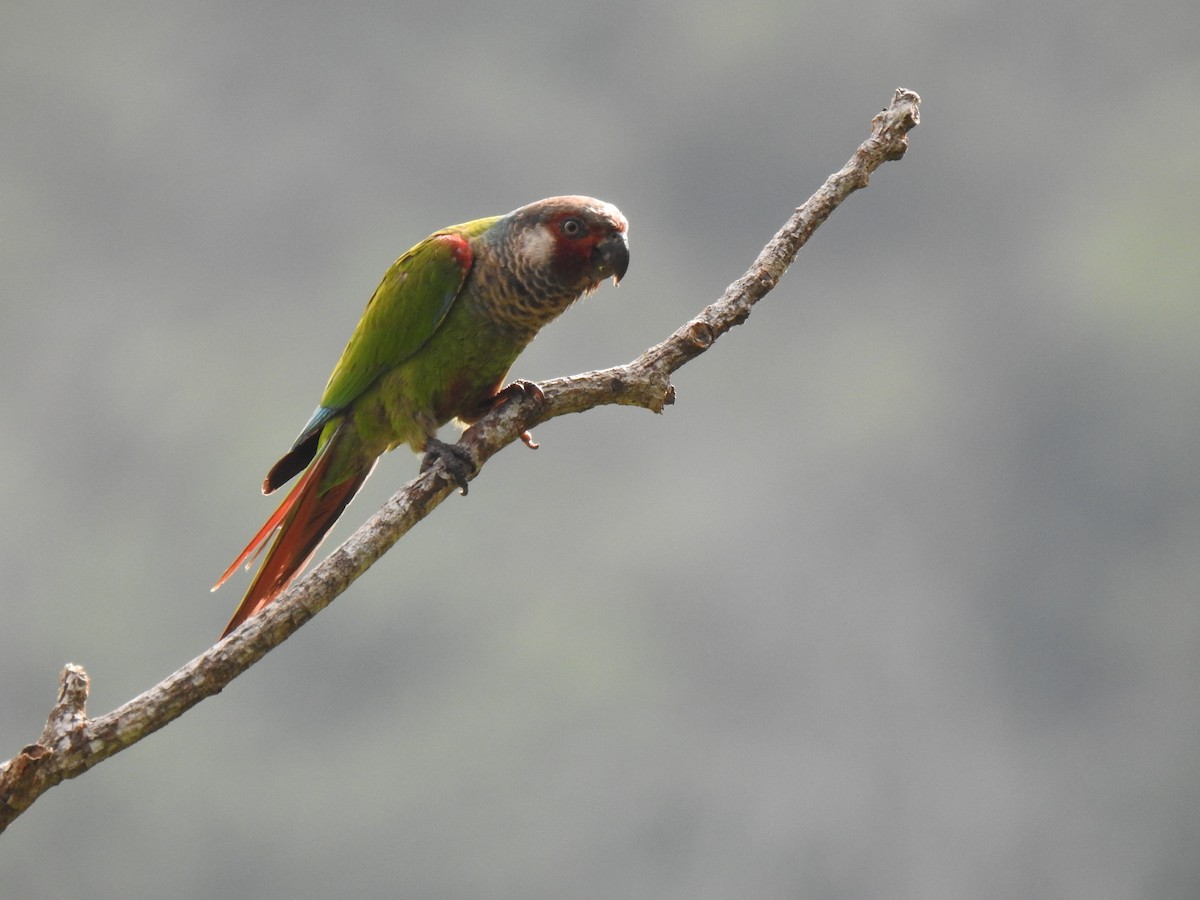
(573, 227)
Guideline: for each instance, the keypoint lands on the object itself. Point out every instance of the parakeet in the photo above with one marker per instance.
(437, 338)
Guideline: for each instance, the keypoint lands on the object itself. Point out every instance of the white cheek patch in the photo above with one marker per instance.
(537, 245)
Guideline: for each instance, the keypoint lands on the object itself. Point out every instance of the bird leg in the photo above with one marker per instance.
(458, 462)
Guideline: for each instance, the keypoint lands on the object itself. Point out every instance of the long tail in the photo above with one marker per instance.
(302, 519)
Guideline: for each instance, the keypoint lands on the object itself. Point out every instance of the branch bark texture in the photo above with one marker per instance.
(72, 743)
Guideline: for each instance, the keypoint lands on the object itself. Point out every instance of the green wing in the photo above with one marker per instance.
(406, 309)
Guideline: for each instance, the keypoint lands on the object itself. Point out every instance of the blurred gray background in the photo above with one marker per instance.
(898, 600)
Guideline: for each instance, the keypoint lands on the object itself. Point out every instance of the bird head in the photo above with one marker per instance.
(575, 242)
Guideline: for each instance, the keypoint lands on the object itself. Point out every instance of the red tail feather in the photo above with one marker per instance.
(303, 519)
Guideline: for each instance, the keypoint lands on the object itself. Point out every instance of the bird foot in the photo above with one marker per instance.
(458, 462)
(522, 388)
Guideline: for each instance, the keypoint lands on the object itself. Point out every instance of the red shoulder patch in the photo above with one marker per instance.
(459, 247)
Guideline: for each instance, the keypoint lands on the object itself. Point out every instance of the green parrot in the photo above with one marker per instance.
(437, 338)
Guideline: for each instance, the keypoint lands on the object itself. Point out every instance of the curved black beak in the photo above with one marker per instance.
(614, 256)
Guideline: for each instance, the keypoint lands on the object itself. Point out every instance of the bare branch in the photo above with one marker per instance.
(72, 743)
